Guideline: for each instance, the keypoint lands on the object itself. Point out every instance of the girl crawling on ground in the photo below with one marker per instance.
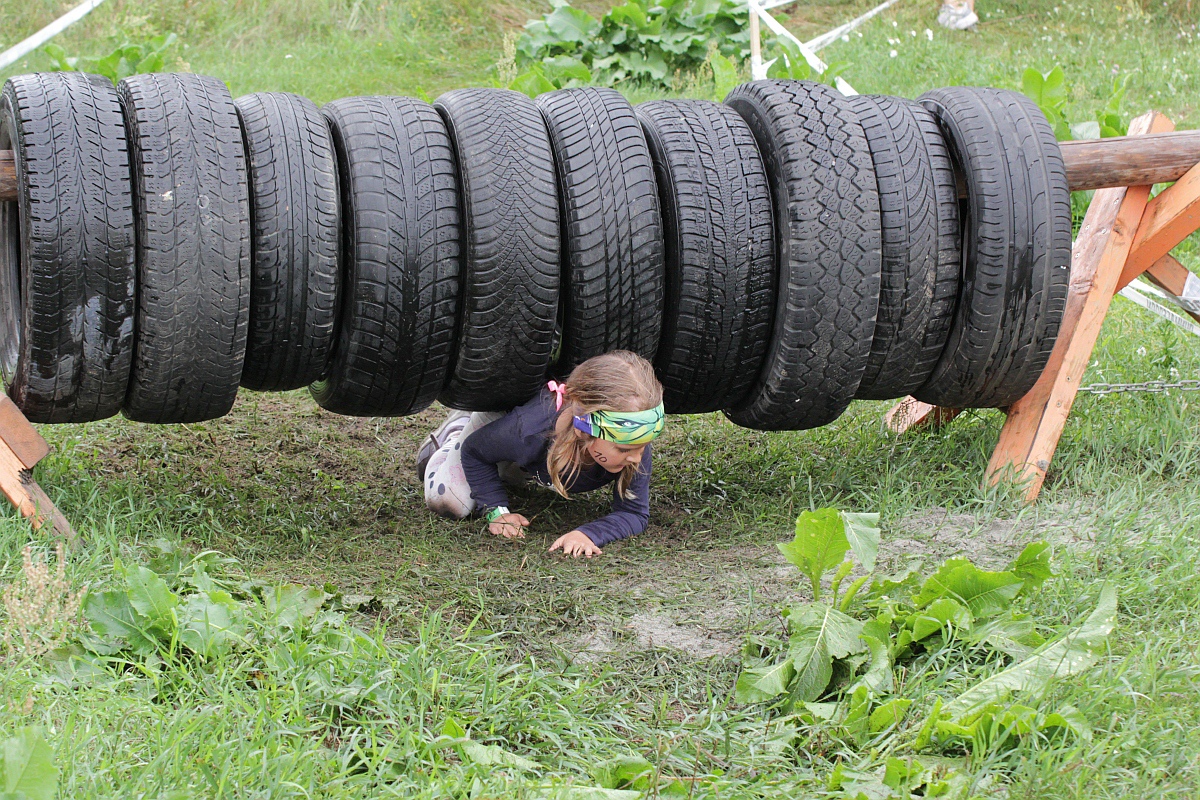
(592, 430)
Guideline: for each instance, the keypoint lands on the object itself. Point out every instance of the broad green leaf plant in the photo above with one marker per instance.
(187, 607)
(128, 59)
(29, 772)
(555, 72)
(1049, 90)
(649, 43)
(637, 40)
(840, 663)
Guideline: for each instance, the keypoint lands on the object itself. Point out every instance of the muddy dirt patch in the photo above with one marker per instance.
(703, 606)
(936, 534)
(650, 631)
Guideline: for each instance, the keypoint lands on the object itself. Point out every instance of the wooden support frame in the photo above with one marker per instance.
(1125, 234)
(21, 447)
(1169, 218)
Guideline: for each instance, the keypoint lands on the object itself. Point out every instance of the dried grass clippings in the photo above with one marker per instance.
(41, 610)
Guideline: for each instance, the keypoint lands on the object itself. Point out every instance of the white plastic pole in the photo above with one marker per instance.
(21, 49)
(757, 70)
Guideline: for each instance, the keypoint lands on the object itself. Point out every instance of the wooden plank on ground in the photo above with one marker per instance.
(1035, 422)
(912, 414)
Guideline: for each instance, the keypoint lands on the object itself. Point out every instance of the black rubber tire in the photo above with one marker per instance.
(614, 273)
(193, 247)
(66, 249)
(720, 253)
(922, 252)
(294, 221)
(1016, 251)
(827, 233)
(401, 256)
(510, 247)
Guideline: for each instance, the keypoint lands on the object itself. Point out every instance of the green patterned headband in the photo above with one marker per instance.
(624, 427)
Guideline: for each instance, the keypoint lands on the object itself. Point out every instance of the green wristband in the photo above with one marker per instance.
(496, 513)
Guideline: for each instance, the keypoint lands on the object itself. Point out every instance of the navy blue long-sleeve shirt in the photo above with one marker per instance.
(523, 437)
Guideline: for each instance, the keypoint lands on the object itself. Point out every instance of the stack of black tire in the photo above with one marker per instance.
(776, 256)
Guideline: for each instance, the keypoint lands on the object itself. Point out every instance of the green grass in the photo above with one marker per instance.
(324, 49)
(571, 663)
(333, 48)
(1093, 42)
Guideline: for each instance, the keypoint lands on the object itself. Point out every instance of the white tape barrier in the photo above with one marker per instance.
(841, 30)
(1190, 299)
(23, 48)
(1144, 295)
(758, 70)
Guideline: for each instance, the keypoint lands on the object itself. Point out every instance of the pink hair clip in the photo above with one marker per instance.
(560, 393)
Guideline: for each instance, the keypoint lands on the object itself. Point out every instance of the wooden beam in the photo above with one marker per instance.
(1035, 422)
(21, 437)
(1130, 160)
(1172, 216)
(1170, 275)
(1091, 164)
(21, 447)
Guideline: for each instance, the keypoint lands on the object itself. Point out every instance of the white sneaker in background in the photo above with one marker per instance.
(957, 18)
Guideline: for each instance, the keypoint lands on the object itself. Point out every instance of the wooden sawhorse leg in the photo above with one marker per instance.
(21, 447)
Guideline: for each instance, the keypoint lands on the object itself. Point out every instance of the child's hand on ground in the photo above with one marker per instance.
(575, 543)
(510, 526)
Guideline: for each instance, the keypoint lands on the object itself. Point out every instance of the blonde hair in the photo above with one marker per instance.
(616, 381)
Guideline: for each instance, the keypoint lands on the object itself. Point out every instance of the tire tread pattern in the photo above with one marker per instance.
(828, 239)
(401, 257)
(720, 253)
(511, 240)
(1016, 251)
(613, 251)
(193, 245)
(294, 221)
(76, 247)
(922, 254)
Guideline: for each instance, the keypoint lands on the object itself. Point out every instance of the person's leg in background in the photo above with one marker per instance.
(957, 14)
